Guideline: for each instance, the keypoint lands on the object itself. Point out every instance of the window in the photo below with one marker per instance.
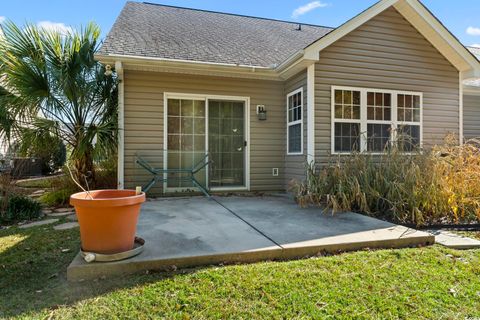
(295, 122)
(371, 120)
(347, 121)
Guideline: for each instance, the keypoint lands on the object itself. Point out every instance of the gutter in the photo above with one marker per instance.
(129, 58)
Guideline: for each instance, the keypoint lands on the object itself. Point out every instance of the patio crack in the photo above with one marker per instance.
(245, 221)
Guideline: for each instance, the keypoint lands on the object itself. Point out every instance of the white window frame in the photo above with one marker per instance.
(289, 124)
(363, 121)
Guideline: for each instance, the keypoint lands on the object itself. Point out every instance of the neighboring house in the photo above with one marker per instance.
(194, 81)
(471, 104)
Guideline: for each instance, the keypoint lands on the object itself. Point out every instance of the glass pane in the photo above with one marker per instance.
(199, 125)
(173, 107)
(187, 143)
(371, 113)
(225, 110)
(387, 114)
(347, 137)
(238, 110)
(187, 125)
(408, 137)
(173, 125)
(199, 143)
(356, 97)
(356, 112)
(237, 126)
(213, 109)
(401, 114)
(401, 100)
(370, 98)
(378, 113)
(347, 97)
(338, 97)
(226, 126)
(379, 99)
(338, 111)
(199, 108)
(186, 107)
(387, 100)
(347, 112)
(416, 115)
(294, 138)
(173, 160)
(408, 115)
(416, 102)
(173, 142)
(378, 136)
(408, 101)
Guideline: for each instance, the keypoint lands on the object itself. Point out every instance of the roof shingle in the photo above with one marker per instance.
(160, 31)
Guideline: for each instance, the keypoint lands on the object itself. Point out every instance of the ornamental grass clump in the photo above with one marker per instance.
(437, 186)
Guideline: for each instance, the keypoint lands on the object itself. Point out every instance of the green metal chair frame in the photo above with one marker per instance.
(161, 174)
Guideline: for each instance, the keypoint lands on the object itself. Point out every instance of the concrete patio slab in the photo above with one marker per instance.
(303, 231)
(185, 232)
(454, 241)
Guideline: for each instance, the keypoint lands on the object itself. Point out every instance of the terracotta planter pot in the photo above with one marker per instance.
(108, 223)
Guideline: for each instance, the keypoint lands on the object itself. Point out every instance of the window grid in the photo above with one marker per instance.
(295, 122)
(378, 120)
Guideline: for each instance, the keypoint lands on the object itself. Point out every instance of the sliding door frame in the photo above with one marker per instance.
(206, 98)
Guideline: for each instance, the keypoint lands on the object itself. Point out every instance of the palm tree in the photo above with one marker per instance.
(52, 84)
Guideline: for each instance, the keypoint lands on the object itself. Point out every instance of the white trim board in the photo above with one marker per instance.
(121, 127)
(206, 97)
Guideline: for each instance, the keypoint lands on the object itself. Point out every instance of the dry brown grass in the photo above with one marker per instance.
(440, 185)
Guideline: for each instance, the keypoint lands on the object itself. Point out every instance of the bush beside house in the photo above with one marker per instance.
(436, 186)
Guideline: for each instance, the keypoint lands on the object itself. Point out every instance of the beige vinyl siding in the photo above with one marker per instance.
(471, 116)
(387, 53)
(295, 164)
(144, 121)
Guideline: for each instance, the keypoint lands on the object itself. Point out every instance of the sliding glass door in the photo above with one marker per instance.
(226, 143)
(198, 126)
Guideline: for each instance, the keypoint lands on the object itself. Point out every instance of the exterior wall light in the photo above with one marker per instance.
(108, 70)
(261, 112)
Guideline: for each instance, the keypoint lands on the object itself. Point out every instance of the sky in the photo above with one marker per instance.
(461, 17)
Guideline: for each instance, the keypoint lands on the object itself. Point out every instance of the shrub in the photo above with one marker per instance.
(62, 188)
(56, 198)
(21, 208)
(435, 186)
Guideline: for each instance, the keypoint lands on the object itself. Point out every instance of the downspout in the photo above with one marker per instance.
(121, 124)
(460, 108)
(311, 114)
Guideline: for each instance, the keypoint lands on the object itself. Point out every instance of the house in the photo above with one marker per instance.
(263, 97)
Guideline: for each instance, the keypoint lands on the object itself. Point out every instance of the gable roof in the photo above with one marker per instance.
(160, 31)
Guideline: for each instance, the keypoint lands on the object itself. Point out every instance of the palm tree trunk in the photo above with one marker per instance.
(85, 170)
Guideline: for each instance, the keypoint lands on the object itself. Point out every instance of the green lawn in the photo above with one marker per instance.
(431, 282)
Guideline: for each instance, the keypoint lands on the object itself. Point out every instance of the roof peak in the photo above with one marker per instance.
(234, 14)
